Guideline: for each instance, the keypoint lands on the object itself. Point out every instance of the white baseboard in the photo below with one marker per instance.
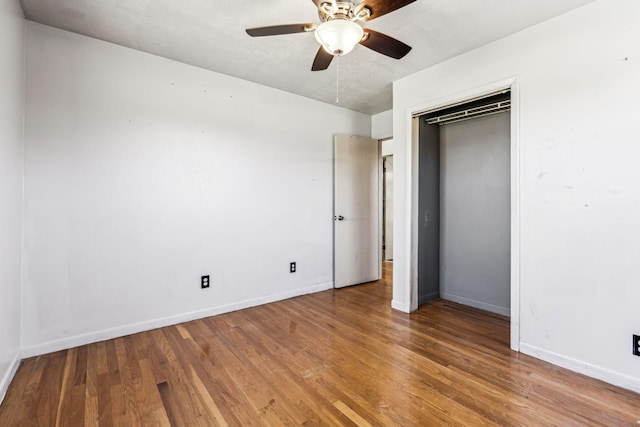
(106, 334)
(606, 375)
(477, 304)
(397, 305)
(8, 376)
(428, 297)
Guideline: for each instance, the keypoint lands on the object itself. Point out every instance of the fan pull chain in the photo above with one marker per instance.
(337, 79)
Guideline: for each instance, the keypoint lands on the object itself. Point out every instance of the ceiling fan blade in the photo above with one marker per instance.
(382, 7)
(384, 44)
(322, 60)
(276, 30)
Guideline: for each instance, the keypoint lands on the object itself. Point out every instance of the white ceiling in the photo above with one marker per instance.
(210, 34)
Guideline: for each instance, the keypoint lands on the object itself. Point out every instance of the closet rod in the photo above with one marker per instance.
(470, 113)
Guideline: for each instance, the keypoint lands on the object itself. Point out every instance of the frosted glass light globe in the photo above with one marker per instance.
(338, 37)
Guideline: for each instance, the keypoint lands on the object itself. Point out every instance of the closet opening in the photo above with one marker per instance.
(464, 215)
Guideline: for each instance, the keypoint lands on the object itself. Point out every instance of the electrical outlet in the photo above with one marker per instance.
(292, 267)
(204, 282)
(636, 345)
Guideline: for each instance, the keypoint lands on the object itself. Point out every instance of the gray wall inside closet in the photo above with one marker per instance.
(473, 178)
(428, 212)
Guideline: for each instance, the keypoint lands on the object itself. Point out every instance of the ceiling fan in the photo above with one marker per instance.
(340, 29)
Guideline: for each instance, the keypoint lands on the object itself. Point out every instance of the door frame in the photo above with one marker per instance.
(383, 201)
(411, 232)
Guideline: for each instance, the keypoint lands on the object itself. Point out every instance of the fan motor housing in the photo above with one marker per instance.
(348, 10)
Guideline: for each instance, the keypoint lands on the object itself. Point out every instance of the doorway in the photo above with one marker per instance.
(386, 151)
(387, 208)
(464, 204)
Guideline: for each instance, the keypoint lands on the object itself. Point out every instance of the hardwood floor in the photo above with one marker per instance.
(339, 357)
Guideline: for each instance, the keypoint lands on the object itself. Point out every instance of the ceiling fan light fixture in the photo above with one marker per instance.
(339, 36)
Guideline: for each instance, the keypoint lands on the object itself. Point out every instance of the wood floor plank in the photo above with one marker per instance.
(91, 414)
(183, 394)
(338, 357)
(351, 414)
(64, 401)
(91, 379)
(213, 409)
(76, 415)
(128, 391)
(112, 363)
(105, 408)
(153, 404)
(118, 405)
(50, 389)
(81, 366)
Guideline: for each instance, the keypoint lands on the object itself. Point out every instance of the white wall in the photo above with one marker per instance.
(142, 174)
(382, 125)
(11, 185)
(577, 90)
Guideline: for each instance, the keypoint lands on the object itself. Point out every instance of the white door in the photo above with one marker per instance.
(356, 210)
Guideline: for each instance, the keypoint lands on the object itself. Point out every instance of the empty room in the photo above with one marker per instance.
(360, 212)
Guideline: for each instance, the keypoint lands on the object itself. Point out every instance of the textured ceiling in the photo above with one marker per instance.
(210, 34)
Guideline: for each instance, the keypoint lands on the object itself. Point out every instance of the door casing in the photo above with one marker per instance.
(410, 232)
